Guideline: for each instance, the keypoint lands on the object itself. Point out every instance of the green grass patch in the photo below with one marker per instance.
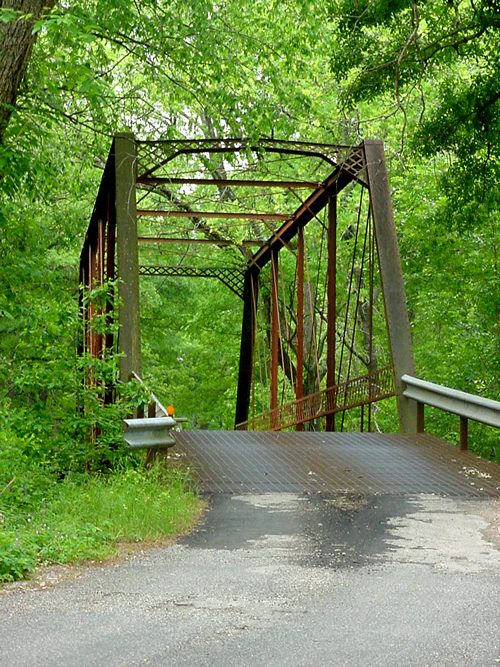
(84, 517)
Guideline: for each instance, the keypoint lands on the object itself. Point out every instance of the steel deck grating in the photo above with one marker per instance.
(366, 463)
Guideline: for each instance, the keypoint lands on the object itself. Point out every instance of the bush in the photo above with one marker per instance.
(84, 517)
(17, 557)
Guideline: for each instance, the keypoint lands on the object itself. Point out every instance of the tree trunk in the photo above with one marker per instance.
(16, 45)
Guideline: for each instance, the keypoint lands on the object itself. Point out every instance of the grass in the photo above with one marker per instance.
(85, 517)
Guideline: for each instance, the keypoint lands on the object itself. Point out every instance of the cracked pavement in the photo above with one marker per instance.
(281, 579)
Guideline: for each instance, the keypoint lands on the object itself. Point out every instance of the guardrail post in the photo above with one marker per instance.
(420, 417)
(464, 433)
(151, 454)
(466, 406)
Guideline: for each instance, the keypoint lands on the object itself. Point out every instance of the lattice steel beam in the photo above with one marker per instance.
(155, 154)
(232, 278)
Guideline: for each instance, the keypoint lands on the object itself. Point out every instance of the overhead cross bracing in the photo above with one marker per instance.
(313, 321)
(231, 193)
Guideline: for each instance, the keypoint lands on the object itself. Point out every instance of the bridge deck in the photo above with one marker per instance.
(365, 463)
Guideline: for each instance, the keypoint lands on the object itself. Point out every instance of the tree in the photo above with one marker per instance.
(424, 71)
(17, 38)
(435, 63)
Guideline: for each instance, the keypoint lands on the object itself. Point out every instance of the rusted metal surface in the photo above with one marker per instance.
(247, 344)
(223, 215)
(167, 173)
(275, 337)
(229, 182)
(190, 241)
(129, 337)
(299, 390)
(350, 394)
(331, 323)
(154, 155)
(332, 463)
(304, 214)
(97, 269)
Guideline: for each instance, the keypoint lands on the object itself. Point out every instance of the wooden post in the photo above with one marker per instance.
(420, 417)
(129, 337)
(464, 433)
(396, 312)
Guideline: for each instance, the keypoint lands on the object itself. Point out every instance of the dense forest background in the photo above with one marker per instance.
(420, 76)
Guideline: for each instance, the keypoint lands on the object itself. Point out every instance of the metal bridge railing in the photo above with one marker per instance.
(344, 396)
(466, 406)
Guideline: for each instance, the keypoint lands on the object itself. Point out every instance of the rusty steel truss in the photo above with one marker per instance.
(231, 278)
(148, 203)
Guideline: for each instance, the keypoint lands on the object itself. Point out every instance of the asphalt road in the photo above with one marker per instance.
(281, 579)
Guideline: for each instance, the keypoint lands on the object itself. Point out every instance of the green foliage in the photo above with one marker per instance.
(84, 517)
(434, 64)
(422, 76)
(191, 336)
(17, 559)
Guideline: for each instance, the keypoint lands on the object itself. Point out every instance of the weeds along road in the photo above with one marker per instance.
(282, 579)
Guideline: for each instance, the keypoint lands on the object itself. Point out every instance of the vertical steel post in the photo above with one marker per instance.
(84, 281)
(248, 328)
(331, 305)
(100, 252)
(299, 387)
(92, 272)
(396, 312)
(275, 336)
(110, 268)
(371, 365)
(100, 279)
(129, 337)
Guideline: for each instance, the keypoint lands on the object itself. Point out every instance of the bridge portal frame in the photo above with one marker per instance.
(110, 253)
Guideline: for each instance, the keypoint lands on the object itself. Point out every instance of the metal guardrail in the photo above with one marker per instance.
(153, 431)
(466, 406)
(149, 433)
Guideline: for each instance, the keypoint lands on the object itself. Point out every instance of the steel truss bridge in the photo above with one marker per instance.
(302, 233)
